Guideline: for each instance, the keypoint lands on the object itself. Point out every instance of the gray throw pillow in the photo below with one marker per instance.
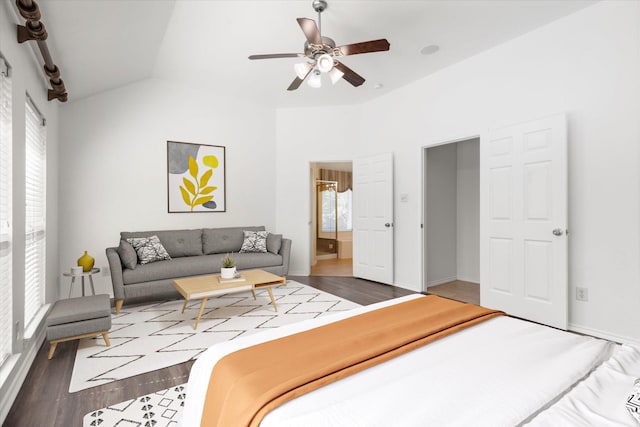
(149, 249)
(127, 254)
(274, 242)
(254, 241)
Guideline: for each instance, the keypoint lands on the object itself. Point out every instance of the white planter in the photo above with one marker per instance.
(228, 273)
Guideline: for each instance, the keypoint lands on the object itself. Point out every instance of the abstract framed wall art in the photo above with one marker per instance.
(196, 177)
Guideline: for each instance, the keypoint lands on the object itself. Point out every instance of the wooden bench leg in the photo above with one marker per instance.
(119, 303)
(54, 343)
(52, 349)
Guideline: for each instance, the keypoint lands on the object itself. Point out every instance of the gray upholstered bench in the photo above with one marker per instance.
(75, 318)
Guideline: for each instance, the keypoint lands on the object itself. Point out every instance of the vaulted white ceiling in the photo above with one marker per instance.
(103, 44)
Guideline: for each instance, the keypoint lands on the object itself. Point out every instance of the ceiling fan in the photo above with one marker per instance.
(322, 54)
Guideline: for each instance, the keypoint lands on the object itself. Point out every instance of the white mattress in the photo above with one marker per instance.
(497, 373)
(600, 399)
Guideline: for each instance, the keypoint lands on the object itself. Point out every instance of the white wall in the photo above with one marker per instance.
(468, 210)
(27, 77)
(586, 64)
(114, 168)
(306, 135)
(441, 213)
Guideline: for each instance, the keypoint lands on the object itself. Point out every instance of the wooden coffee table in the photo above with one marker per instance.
(209, 286)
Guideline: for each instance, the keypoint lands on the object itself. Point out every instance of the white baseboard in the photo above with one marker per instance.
(15, 379)
(604, 334)
(441, 281)
(470, 280)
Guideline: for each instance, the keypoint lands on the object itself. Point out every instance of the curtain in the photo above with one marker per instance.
(343, 178)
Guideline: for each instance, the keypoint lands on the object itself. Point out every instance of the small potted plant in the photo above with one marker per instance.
(228, 267)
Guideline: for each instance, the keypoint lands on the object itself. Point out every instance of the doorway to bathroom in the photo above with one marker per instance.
(331, 225)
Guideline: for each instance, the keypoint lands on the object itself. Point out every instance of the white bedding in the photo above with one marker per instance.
(497, 373)
(600, 399)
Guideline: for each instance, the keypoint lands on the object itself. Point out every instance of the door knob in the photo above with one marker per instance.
(557, 232)
(387, 224)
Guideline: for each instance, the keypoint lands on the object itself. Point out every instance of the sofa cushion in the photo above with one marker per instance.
(178, 243)
(79, 309)
(254, 241)
(195, 266)
(149, 249)
(274, 243)
(251, 260)
(128, 255)
(224, 240)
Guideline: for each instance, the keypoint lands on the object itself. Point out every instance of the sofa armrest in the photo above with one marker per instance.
(115, 265)
(285, 251)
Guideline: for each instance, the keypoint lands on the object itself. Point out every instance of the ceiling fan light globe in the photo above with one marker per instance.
(315, 80)
(325, 63)
(335, 75)
(302, 69)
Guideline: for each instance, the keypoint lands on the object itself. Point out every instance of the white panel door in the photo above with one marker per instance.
(523, 220)
(373, 218)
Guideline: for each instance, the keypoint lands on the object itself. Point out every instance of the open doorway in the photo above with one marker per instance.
(331, 224)
(451, 244)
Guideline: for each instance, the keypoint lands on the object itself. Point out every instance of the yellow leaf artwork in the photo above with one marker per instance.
(196, 177)
(198, 187)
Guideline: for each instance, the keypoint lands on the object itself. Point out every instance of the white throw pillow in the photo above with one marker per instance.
(633, 402)
(149, 249)
(254, 241)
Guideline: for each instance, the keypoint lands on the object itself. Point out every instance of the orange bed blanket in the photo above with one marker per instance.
(245, 385)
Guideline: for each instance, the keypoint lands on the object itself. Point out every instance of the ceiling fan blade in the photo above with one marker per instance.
(277, 55)
(310, 30)
(349, 75)
(295, 84)
(364, 47)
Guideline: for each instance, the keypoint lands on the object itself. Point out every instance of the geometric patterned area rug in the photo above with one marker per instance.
(148, 337)
(160, 409)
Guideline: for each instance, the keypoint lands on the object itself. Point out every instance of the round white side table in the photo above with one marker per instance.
(84, 274)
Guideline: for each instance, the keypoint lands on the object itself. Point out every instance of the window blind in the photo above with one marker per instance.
(35, 207)
(6, 284)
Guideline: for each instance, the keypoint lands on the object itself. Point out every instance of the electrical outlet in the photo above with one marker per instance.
(582, 294)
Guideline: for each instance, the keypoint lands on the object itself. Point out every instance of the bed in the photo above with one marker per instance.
(501, 372)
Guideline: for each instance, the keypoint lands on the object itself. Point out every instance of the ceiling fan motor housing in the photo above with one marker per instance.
(319, 5)
(314, 50)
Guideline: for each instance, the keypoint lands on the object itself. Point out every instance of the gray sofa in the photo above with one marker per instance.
(193, 253)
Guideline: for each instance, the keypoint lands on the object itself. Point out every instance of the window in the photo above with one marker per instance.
(6, 283)
(344, 210)
(35, 195)
(328, 209)
(334, 208)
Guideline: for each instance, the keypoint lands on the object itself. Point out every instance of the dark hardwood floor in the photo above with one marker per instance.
(458, 290)
(44, 399)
